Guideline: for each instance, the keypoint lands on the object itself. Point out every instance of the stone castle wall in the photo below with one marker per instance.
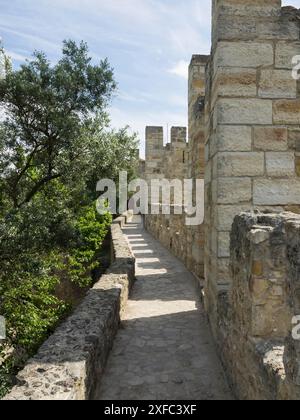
(244, 139)
(253, 128)
(180, 160)
(252, 109)
(172, 162)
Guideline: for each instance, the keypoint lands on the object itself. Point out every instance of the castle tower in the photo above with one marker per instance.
(252, 115)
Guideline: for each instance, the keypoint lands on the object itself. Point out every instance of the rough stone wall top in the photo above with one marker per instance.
(168, 161)
(260, 352)
(258, 8)
(253, 19)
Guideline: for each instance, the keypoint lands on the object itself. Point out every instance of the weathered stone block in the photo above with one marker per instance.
(280, 164)
(214, 243)
(235, 82)
(297, 165)
(259, 287)
(294, 139)
(224, 244)
(244, 111)
(223, 272)
(225, 214)
(233, 190)
(286, 111)
(241, 164)
(257, 8)
(281, 28)
(284, 53)
(277, 84)
(271, 138)
(261, 324)
(234, 138)
(243, 54)
(273, 192)
(257, 268)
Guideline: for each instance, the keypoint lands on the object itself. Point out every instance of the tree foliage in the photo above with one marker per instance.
(47, 108)
(55, 144)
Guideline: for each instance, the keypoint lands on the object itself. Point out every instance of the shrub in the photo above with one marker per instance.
(28, 300)
(92, 229)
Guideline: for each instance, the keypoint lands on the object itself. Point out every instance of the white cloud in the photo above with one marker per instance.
(127, 97)
(180, 69)
(16, 56)
(140, 11)
(44, 43)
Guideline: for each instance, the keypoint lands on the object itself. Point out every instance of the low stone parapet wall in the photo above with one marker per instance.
(69, 365)
(185, 242)
(260, 351)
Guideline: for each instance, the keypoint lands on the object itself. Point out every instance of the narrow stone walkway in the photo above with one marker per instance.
(164, 350)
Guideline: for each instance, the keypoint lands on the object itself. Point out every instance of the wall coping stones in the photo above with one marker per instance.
(69, 365)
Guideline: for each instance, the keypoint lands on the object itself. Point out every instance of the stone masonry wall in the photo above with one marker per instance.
(186, 242)
(196, 161)
(244, 106)
(173, 164)
(180, 160)
(262, 358)
(196, 102)
(252, 129)
(70, 363)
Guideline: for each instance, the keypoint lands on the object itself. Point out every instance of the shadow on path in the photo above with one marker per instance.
(164, 349)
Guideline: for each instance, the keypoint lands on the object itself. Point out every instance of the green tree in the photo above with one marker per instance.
(55, 144)
(47, 107)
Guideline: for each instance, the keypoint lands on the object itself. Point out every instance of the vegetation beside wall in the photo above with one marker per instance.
(55, 144)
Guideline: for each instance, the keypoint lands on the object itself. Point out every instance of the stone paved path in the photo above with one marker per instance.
(164, 350)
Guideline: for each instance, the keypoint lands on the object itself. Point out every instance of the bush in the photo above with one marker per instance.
(32, 312)
(92, 229)
(28, 301)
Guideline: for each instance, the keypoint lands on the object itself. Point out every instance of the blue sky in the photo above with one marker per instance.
(148, 42)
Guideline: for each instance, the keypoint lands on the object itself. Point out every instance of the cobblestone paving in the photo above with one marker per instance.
(164, 349)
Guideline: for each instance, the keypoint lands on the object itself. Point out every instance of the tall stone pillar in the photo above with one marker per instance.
(252, 121)
(178, 134)
(196, 115)
(154, 152)
(195, 164)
